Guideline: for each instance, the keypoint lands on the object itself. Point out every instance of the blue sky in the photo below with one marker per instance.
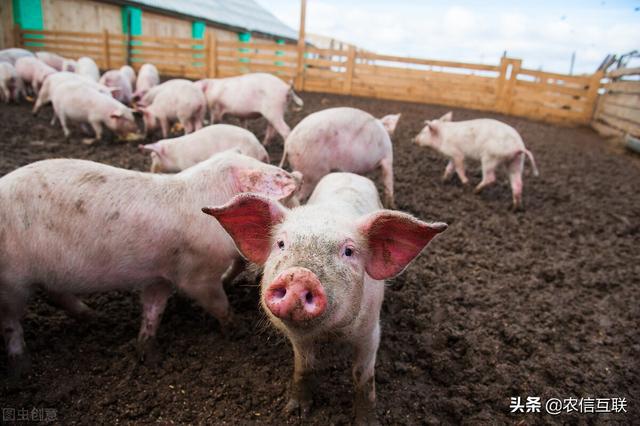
(543, 33)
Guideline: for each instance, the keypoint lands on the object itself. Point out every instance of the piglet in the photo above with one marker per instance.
(52, 59)
(176, 154)
(130, 74)
(490, 141)
(55, 80)
(341, 139)
(181, 100)
(87, 67)
(324, 269)
(33, 72)
(11, 87)
(11, 55)
(148, 77)
(120, 82)
(75, 101)
(73, 227)
(250, 96)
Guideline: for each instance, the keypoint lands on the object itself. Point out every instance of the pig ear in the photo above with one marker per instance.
(248, 218)
(152, 147)
(390, 122)
(394, 239)
(116, 113)
(447, 117)
(277, 183)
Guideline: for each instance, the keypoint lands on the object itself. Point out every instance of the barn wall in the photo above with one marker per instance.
(81, 15)
(6, 23)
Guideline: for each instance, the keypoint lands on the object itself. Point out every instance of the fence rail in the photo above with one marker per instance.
(506, 88)
(618, 109)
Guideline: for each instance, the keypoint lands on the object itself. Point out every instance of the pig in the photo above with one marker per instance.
(52, 59)
(177, 154)
(251, 96)
(490, 141)
(11, 87)
(76, 101)
(74, 226)
(324, 266)
(130, 73)
(121, 84)
(57, 79)
(87, 67)
(13, 54)
(33, 71)
(341, 139)
(180, 101)
(148, 77)
(69, 65)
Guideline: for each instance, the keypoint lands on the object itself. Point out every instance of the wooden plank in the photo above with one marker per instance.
(165, 40)
(325, 63)
(417, 61)
(259, 56)
(351, 61)
(592, 95)
(64, 42)
(623, 86)
(515, 65)
(327, 52)
(630, 114)
(629, 100)
(551, 75)
(239, 66)
(549, 87)
(623, 71)
(227, 44)
(105, 53)
(605, 130)
(213, 56)
(621, 124)
(79, 34)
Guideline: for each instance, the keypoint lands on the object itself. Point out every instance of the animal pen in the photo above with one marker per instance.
(506, 87)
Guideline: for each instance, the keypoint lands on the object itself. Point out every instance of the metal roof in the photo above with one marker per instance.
(241, 14)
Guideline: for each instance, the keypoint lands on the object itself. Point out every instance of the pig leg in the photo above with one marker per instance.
(364, 378)
(210, 294)
(164, 125)
(70, 303)
(269, 134)
(97, 129)
(10, 315)
(197, 123)
(515, 178)
(488, 173)
(236, 268)
(386, 166)
(63, 123)
(281, 127)
(448, 171)
(154, 300)
(300, 393)
(458, 164)
(187, 125)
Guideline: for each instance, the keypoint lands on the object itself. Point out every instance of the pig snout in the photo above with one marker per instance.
(296, 295)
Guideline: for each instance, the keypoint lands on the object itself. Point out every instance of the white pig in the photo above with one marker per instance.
(250, 96)
(57, 79)
(69, 65)
(87, 66)
(490, 141)
(52, 59)
(181, 101)
(121, 84)
(341, 139)
(130, 73)
(176, 154)
(11, 87)
(148, 77)
(324, 266)
(33, 72)
(76, 101)
(13, 54)
(73, 227)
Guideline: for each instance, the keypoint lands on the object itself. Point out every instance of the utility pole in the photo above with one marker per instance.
(301, 46)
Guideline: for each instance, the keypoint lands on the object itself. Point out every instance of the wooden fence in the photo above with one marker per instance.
(618, 110)
(506, 87)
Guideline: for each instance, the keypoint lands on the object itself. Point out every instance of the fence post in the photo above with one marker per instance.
(351, 62)
(212, 55)
(105, 48)
(592, 96)
(301, 47)
(501, 84)
(510, 85)
(17, 36)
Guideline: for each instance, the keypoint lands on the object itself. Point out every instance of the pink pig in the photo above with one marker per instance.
(176, 154)
(251, 96)
(490, 141)
(341, 139)
(324, 269)
(181, 101)
(52, 59)
(120, 83)
(33, 71)
(148, 77)
(73, 227)
(11, 87)
(130, 74)
(55, 80)
(76, 101)
(88, 67)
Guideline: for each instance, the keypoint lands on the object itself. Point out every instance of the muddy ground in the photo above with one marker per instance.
(539, 303)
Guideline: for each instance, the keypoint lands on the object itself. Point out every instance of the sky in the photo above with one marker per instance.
(542, 33)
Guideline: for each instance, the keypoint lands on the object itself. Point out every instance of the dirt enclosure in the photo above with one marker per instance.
(544, 302)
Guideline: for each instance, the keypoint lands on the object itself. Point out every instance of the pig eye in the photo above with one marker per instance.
(348, 251)
(281, 244)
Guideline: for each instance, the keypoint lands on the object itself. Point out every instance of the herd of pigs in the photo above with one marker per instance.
(320, 234)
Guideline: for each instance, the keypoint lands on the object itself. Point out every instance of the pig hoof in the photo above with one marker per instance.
(19, 367)
(301, 408)
(148, 353)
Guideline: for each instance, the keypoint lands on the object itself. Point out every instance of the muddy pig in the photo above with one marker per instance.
(490, 141)
(176, 154)
(74, 226)
(341, 139)
(250, 96)
(324, 269)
